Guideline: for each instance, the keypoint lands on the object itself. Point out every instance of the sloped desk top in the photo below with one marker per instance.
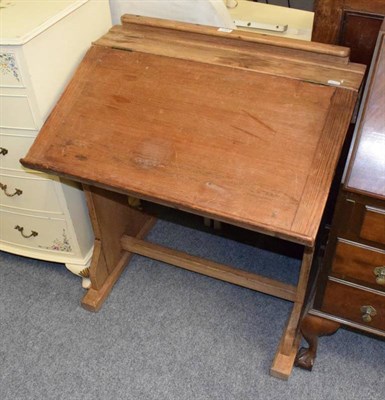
(239, 127)
(219, 124)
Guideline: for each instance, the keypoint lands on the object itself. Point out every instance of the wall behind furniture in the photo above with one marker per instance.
(192, 13)
(300, 4)
(204, 12)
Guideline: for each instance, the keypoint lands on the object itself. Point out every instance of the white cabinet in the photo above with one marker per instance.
(41, 44)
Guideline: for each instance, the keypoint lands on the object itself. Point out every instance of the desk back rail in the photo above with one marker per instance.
(310, 62)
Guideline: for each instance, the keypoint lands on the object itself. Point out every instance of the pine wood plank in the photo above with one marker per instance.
(95, 296)
(243, 36)
(209, 268)
(127, 128)
(272, 60)
(283, 363)
(321, 171)
(111, 217)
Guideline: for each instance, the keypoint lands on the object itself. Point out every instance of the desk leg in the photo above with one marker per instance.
(312, 327)
(111, 218)
(284, 358)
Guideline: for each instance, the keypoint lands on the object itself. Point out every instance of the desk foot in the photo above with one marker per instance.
(291, 338)
(312, 327)
(283, 363)
(94, 298)
(111, 217)
(288, 346)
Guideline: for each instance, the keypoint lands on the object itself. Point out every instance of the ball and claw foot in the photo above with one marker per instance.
(312, 327)
(304, 359)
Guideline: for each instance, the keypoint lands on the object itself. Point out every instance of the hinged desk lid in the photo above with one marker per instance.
(242, 128)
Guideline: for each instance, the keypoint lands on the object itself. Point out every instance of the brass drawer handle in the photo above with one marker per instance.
(367, 313)
(3, 151)
(379, 272)
(21, 230)
(17, 192)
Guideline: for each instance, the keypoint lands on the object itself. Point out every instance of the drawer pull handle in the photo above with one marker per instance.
(379, 272)
(367, 313)
(17, 192)
(21, 230)
(3, 151)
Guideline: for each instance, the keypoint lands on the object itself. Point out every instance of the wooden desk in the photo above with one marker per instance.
(238, 127)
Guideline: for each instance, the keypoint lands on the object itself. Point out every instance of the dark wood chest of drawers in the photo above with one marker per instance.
(350, 23)
(351, 285)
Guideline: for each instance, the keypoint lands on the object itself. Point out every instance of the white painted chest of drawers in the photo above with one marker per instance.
(41, 44)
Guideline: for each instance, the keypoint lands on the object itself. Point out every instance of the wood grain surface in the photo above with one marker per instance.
(329, 18)
(366, 173)
(237, 145)
(312, 62)
(345, 300)
(357, 262)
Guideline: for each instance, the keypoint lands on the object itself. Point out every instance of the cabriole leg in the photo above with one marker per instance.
(312, 327)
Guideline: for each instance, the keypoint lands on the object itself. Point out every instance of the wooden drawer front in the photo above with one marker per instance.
(346, 302)
(361, 219)
(28, 193)
(15, 112)
(12, 148)
(358, 262)
(373, 225)
(51, 232)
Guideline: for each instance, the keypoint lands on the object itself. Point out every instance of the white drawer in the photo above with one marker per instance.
(29, 193)
(10, 71)
(15, 112)
(34, 232)
(12, 148)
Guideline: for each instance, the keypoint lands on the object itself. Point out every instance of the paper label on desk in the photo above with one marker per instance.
(334, 83)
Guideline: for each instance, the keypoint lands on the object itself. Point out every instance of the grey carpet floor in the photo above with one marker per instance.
(165, 333)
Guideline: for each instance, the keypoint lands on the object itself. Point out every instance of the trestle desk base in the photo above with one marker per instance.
(119, 233)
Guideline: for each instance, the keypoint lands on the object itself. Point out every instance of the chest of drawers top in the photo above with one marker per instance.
(366, 169)
(352, 283)
(23, 20)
